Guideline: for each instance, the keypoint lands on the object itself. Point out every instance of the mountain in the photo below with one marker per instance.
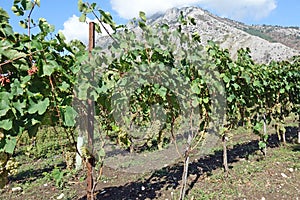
(265, 42)
(289, 36)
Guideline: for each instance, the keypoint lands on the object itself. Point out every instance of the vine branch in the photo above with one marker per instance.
(29, 18)
(20, 57)
(101, 23)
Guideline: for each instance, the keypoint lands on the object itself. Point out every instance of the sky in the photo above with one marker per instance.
(63, 14)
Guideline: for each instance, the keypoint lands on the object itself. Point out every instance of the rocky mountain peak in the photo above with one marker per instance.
(232, 35)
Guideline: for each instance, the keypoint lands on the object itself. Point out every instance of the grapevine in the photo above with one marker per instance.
(41, 78)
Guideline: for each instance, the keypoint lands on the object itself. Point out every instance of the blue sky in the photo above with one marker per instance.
(62, 13)
(287, 13)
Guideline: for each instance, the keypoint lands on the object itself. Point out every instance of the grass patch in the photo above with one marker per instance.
(273, 177)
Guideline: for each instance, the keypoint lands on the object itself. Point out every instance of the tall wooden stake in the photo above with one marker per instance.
(90, 112)
(265, 133)
(225, 161)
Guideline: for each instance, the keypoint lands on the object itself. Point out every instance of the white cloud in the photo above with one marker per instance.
(74, 29)
(130, 8)
(241, 9)
(235, 9)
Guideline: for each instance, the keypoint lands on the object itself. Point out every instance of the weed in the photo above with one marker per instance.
(57, 175)
(201, 195)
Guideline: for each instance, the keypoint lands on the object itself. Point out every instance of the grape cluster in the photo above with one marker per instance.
(1, 135)
(12, 167)
(70, 159)
(8, 166)
(4, 80)
(32, 70)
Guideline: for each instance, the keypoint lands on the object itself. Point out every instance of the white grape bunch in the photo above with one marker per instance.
(8, 166)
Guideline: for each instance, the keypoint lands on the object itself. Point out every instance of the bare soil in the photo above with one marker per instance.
(251, 176)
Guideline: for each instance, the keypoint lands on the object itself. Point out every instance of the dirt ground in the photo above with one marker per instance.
(251, 176)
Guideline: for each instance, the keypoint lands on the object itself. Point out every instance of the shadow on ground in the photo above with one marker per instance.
(168, 178)
(31, 175)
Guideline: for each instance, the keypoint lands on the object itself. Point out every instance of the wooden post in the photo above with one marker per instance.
(225, 161)
(90, 124)
(265, 133)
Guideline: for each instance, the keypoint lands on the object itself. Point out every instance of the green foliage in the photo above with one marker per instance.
(161, 74)
(40, 79)
(86, 8)
(143, 16)
(56, 175)
(46, 144)
(258, 33)
(255, 90)
(128, 78)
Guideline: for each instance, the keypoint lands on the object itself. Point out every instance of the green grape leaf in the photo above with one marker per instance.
(256, 83)
(38, 3)
(82, 90)
(195, 88)
(265, 137)
(258, 127)
(69, 116)
(26, 4)
(231, 98)
(19, 106)
(143, 16)
(17, 10)
(16, 88)
(162, 92)
(107, 18)
(64, 86)
(32, 130)
(37, 44)
(98, 28)
(206, 100)
(262, 144)
(6, 124)
(10, 144)
(49, 68)
(23, 24)
(236, 86)
(39, 107)
(80, 5)
(14, 8)
(82, 17)
(4, 107)
(226, 79)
